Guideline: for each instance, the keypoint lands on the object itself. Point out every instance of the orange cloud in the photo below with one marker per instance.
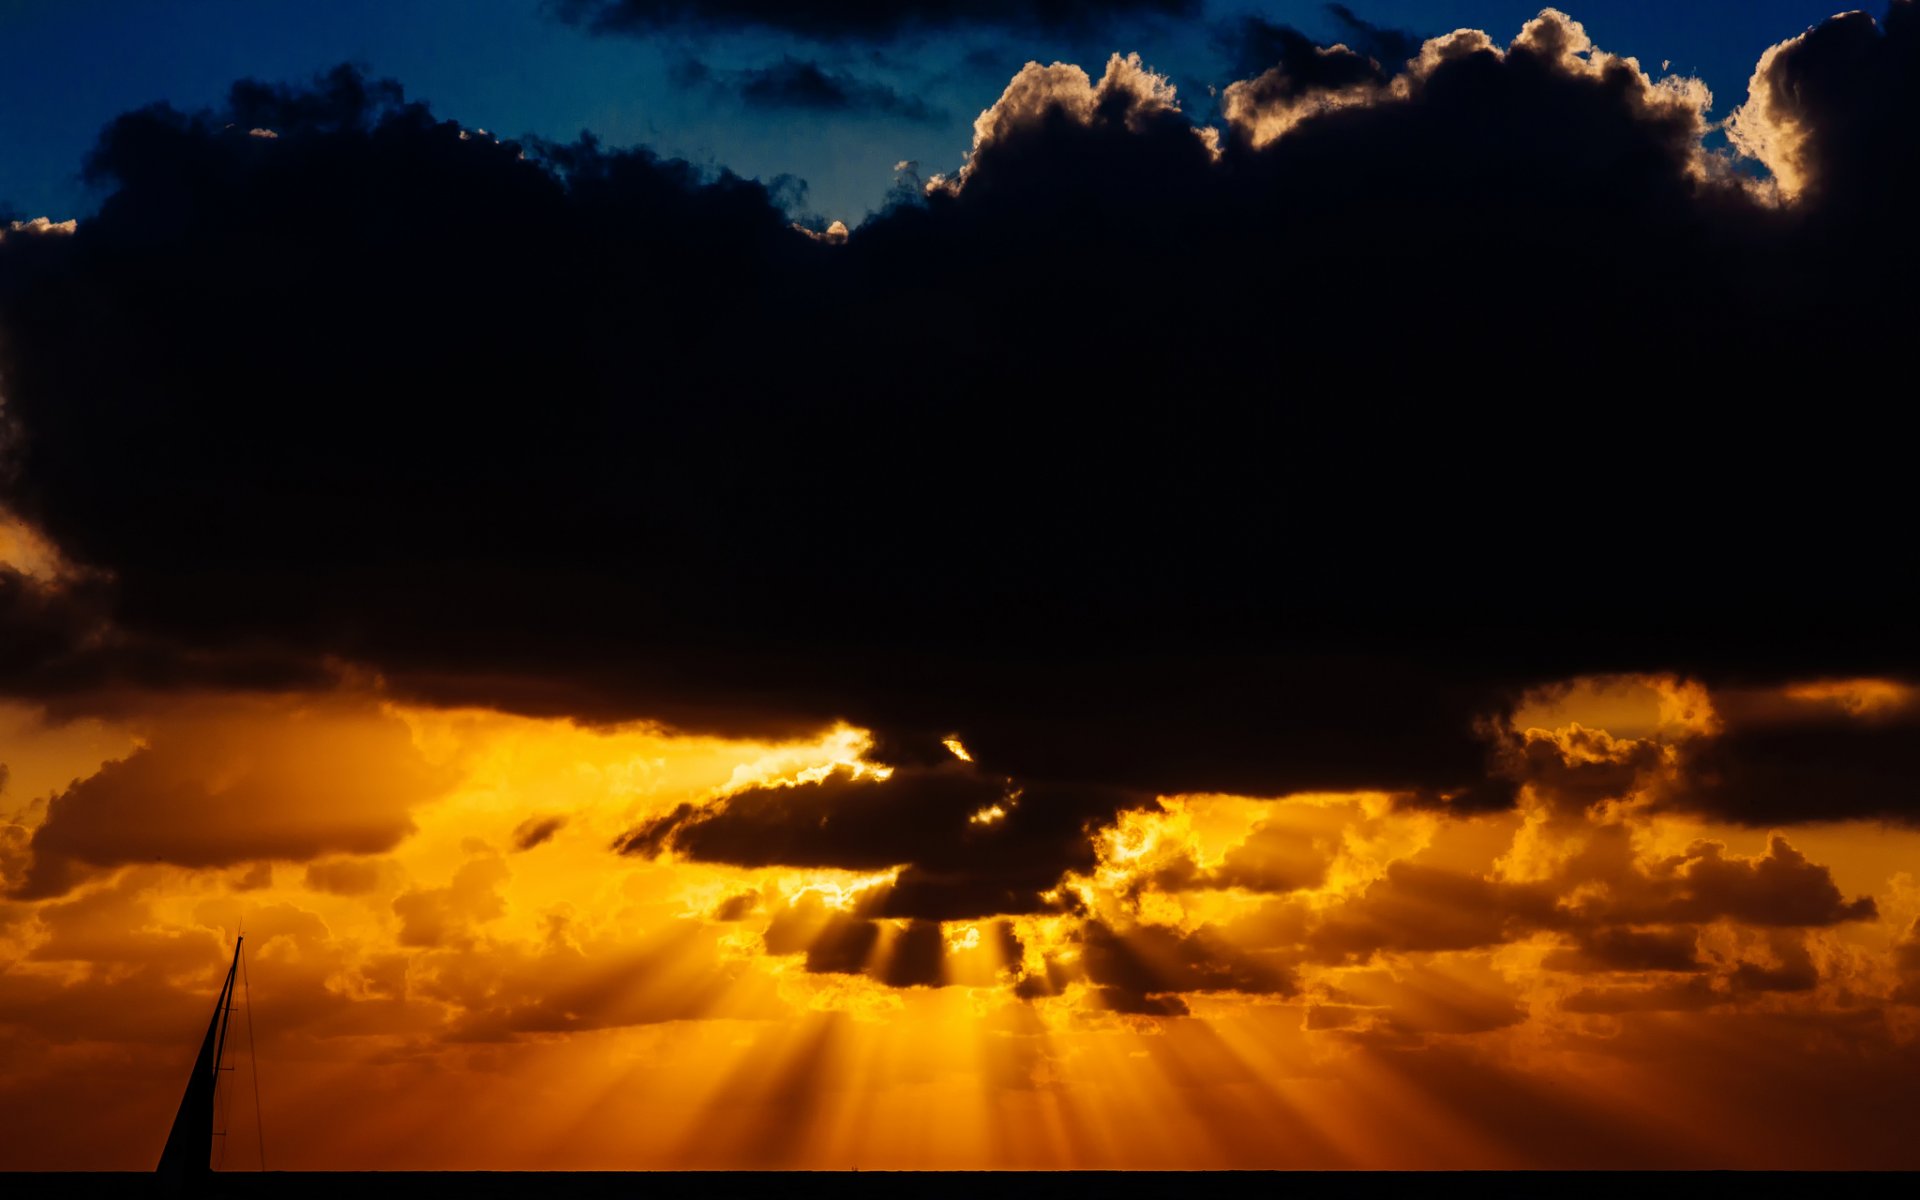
(1216, 981)
(217, 783)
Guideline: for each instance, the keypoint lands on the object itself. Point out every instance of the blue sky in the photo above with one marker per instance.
(68, 66)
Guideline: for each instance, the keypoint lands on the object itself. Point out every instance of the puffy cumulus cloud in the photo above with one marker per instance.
(115, 926)
(39, 225)
(1559, 100)
(1303, 79)
(1828, 112)
(1129, 101)
(1575, 768)
(854, 18)
(447, 915)
(217, 783)
(1778, 888)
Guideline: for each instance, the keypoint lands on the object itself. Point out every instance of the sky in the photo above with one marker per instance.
(1310, 589)
(510, 66)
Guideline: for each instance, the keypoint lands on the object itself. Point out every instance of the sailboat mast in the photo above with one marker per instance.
(225, 1011)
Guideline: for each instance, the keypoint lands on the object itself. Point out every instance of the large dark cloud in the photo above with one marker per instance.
(1144, 461)
(854, 18)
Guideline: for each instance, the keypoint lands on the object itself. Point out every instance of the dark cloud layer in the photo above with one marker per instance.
(1143, 460)
(802, 85)
(922, 819)
(1782, 760)
(854, 18)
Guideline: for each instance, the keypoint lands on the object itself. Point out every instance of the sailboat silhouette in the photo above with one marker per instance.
(189, 1149)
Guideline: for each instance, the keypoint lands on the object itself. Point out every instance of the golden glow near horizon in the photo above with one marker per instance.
(451, 968)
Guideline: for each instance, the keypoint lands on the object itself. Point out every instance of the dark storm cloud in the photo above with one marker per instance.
(801, 85)
(60, 644)
(1141, 460)
(854, 18)
(920, 819)
(1778, 760)
(1143, 970)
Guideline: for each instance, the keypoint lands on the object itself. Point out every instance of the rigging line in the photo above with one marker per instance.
(253, 1059)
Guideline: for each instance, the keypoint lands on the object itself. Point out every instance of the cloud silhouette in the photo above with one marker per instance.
(922, 819)
(1146, 457)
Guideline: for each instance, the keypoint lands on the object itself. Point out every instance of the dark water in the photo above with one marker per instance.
(969, 1185)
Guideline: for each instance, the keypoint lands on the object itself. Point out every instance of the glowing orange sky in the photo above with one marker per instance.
(1332, 980)
(329, 618)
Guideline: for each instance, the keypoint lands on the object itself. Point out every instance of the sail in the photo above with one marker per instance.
(190, 1144)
